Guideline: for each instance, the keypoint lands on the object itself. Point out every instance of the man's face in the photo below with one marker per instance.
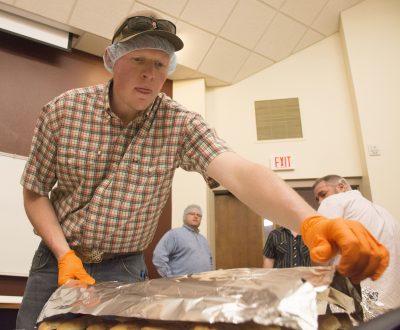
(324, 189)
(193, 218)
(138, 78)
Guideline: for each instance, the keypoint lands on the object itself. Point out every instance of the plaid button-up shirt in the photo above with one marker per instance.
(109, 183)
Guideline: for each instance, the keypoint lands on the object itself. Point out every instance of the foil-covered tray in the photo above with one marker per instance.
(282, 297)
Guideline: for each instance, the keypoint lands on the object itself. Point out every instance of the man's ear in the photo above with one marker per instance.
(341, 187)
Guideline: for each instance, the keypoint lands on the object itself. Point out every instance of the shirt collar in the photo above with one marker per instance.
(289, 231)
(107, 96)
(195, 230)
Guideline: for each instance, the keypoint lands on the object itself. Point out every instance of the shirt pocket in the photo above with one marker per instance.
(152, 175)
(154, 167)
(76, 165)
(283, 248)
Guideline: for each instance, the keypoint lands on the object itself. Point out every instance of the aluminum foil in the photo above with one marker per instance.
(283, 297)
(371, 304)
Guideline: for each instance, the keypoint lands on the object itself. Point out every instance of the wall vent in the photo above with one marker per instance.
(278, 119)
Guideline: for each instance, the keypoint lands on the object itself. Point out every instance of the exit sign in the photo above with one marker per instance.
(282, 162)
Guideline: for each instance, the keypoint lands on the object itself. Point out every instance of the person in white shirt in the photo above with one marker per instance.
(337, 199)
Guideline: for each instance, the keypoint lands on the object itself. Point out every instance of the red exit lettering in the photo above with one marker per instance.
(282, 162)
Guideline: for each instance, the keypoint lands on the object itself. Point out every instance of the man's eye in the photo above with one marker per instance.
(138, 59)
(159, 65)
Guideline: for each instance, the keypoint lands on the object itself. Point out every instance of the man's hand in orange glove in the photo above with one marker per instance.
(362, 255)
(70, 267)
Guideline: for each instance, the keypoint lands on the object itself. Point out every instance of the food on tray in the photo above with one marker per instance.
(49, 325)
(99, 323)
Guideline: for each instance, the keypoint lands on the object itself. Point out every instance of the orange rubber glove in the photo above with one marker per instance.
(70, 267)
(362, 256)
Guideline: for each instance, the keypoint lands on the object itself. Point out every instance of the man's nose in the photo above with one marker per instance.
(148, 69)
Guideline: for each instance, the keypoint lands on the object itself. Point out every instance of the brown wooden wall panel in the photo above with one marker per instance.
(238, 234)
(31, 74)
(12, 285)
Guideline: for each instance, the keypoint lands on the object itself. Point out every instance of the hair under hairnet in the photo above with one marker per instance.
(119, 49)
(189, 208)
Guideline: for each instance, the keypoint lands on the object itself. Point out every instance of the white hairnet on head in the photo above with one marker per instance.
(119, 49)
(189, 208)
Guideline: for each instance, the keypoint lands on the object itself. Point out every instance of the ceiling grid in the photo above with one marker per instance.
(225, 40)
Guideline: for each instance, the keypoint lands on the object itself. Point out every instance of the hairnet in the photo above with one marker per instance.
(190, 208)
(119, 49)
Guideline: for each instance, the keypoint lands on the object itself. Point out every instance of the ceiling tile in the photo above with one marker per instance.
(247, 23)
(214, 82)
(183, 72)
(92, 44)
(171, 7)
(196, 44)
(99, 17)
(139, 6)
(224, 60)
(311, 37)
(281, 37)
(303, 10)
(219, 35)
(274, 3)
(327, 21)
(208, 14)
(58, 10)
(255, 63)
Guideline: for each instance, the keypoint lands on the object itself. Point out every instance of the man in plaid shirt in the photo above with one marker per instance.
(101, 167)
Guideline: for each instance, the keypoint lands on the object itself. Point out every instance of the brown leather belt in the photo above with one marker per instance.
(95, 256)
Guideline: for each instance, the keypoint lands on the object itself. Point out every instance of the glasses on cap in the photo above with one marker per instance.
(138, 24)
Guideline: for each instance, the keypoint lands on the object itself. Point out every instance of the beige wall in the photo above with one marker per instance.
(371, 34)
(189, 187)
(321, 77)
(316, 76)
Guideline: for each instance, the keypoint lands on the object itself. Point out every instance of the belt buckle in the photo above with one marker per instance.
(96, 257)
(91, 257)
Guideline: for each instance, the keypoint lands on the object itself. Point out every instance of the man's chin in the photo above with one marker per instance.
(143, 104)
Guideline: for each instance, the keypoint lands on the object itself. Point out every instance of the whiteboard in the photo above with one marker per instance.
(18, 243)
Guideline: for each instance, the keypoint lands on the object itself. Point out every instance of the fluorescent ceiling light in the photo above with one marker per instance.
(35, 31)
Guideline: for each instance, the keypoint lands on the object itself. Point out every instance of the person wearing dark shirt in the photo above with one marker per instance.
(285, 248)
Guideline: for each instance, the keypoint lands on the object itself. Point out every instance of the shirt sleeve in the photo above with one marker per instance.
(39, 173)
(161, 255)
(207, 248)
(200, 146)
(330, 207)
(269, 248)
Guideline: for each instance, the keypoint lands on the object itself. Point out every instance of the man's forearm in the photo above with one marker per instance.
(268, 263)
(260, 189)
(41, 214)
